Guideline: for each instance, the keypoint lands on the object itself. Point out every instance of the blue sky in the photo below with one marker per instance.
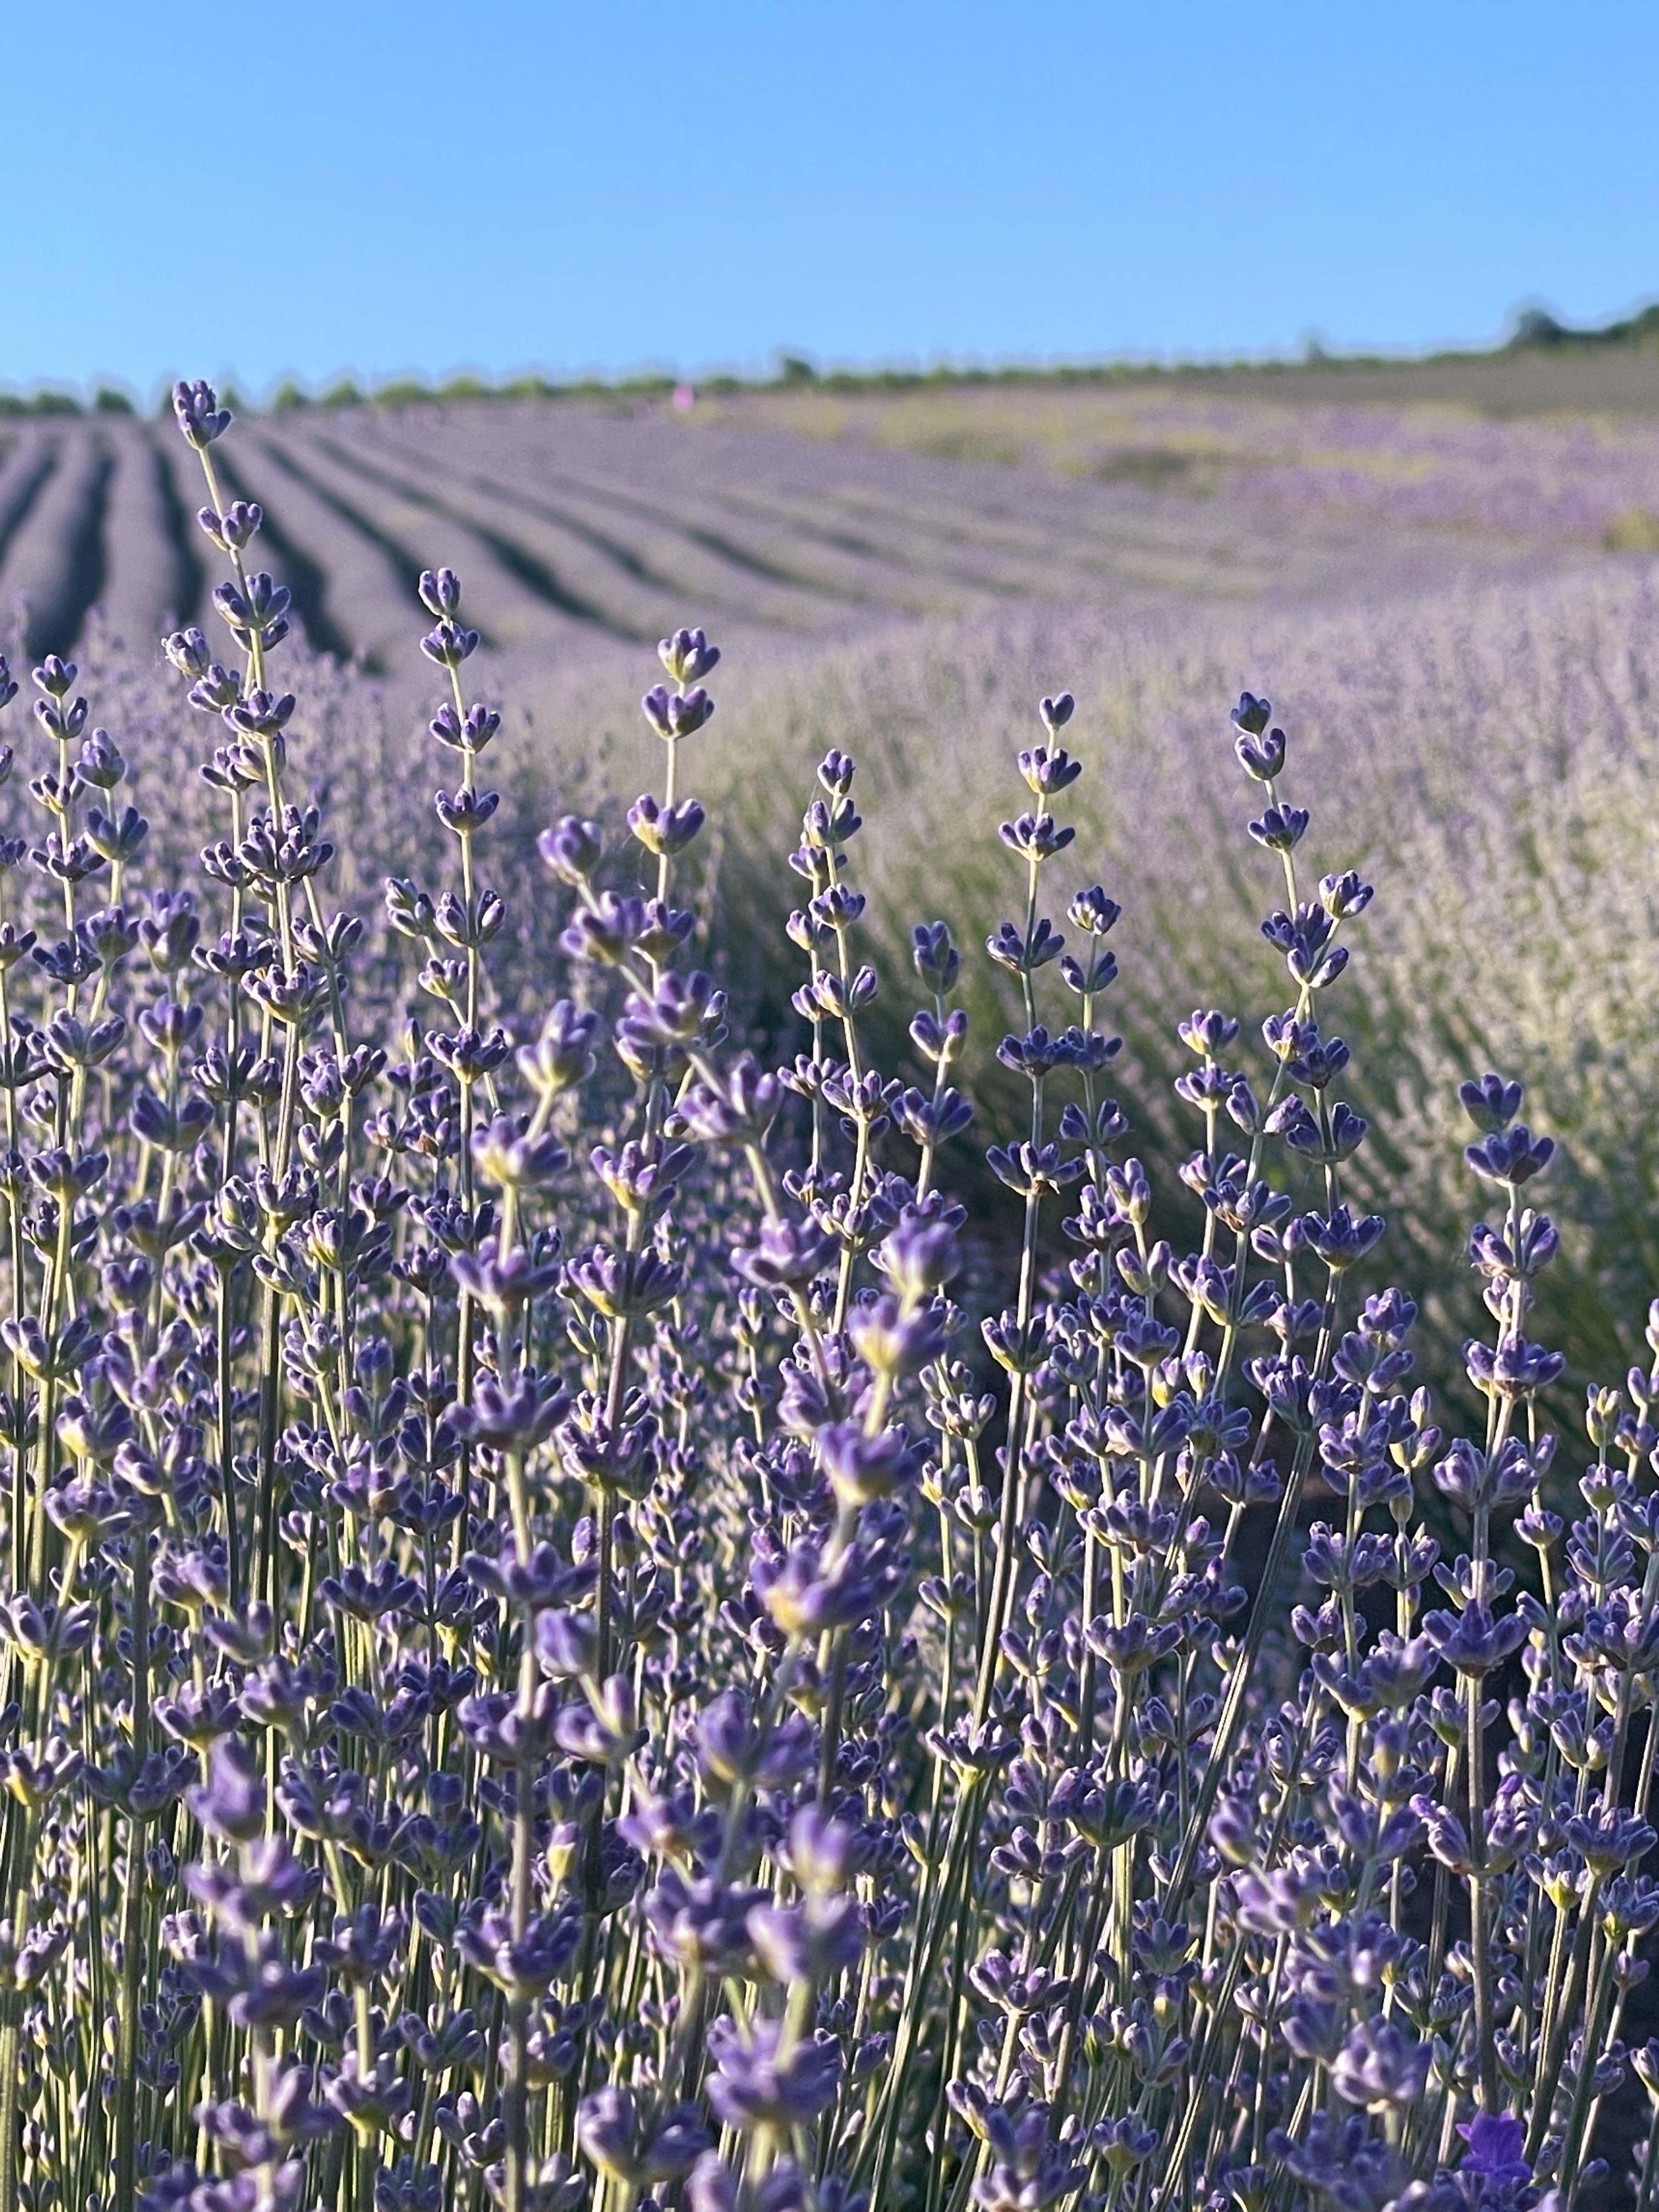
(378, 189)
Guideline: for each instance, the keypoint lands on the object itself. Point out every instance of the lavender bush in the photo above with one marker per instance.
(549, 1660)
(1492, 752)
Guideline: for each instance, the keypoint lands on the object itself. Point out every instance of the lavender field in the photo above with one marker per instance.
(1457, 601)
(813, 1444)
(588, 528)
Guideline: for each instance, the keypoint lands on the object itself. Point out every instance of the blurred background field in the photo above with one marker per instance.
(1441, 574)
(826, 507)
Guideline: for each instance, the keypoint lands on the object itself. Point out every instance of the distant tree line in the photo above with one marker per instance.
(1535, 330)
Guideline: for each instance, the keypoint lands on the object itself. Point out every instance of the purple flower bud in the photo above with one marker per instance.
(1380, 2066)
(513, 1416)
(187, 649)
(688, 656)
(730, 1748)
(1341, 1238)
(891, 1341)
(56, 677)
(440, 593)
(1208, 1034)
(1491, 1103)
(1609, 1837)
(673, 715)
(1048, 770)
(231, 1804)
(758, 2081)
(1280, 829)
(1036, 835)
(606, 931)
(836, 773)
(740, 1111)
(665, 830)
(809, 1943)
(823, 1853)
(199, 415)
(449, 644)
(1091, 910)
(919, 1257)
(261, 715)
(1476, 1640)
(562, 1056)
(1514, 1369)
(861, 1468)
(937, 960)
(636, 2147)
(1252, 715)
(1342, 896)
(1511, 1156)
(1261, 752)
(788, 1254)
(1496, 2143)
(572, 849)
(713, 2186)
(233, 530)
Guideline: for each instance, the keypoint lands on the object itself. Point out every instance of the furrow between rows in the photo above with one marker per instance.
(54, 564)
(568, 461)
(698, 574)
(571, 568)
(153, 581)
(351, 595)
(509, 610)
(22, 475)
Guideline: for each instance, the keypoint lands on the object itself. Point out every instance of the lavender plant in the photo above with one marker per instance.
(549, 1660)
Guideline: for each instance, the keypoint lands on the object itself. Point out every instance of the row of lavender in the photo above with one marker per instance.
(547, 1658)
(579, 530)
(576, 530)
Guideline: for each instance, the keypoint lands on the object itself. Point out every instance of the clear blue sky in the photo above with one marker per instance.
(378, 186)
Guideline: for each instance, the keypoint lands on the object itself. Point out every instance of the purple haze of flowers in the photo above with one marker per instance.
(574, 1575)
